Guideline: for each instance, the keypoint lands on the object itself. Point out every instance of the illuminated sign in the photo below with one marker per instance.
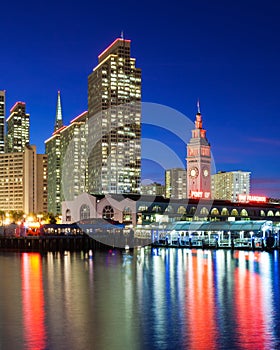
(200, 194)
(251, 198)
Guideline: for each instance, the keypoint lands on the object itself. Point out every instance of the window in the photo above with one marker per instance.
(108, 212)
(84, 212)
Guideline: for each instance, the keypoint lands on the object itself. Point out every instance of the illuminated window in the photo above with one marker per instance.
(215, 211)
(84, 212)
(225, 212)
(127, 214)
(244, 212)
(181, 210)
(204, 211)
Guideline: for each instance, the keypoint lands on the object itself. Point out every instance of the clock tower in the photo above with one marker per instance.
(198, 162)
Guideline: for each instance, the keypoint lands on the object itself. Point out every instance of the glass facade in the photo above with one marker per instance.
(114, 109)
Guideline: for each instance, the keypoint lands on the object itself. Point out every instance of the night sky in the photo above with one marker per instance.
(226, 53)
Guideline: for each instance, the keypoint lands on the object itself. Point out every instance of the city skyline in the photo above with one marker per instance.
(226, 57)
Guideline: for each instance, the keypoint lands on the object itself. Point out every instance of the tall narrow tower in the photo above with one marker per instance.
(114, 110)
(2, 121)
(198, 161)
(53, 151)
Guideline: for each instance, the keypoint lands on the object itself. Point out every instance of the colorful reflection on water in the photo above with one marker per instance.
(148, 299)
(33, 307)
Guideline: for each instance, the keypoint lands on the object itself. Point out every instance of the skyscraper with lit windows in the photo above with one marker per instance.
(114, 110)
(53, 151)
(2, 121)
(18, 128)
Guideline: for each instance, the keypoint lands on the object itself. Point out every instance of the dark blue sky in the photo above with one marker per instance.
(225, 53)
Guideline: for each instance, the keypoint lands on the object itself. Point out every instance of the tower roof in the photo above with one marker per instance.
(58, 118)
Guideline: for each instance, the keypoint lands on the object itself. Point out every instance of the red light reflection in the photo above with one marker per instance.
(248, 299)
(200, 304)
(33, 301)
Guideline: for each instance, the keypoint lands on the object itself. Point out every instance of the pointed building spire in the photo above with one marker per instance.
(58, 118)
(198, 106)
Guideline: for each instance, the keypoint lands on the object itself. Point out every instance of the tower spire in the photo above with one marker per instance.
(58, 118)
(198, 106)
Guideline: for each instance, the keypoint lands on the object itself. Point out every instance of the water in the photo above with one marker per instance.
(146, 299)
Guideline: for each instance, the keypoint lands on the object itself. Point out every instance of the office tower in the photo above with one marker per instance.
(153, 189)
(229, 185)
(176, 183)
(198, 162)
(53, 152)
(114, 109)
(2, 121)
(74, 158)
(23, 177)
(17, 129)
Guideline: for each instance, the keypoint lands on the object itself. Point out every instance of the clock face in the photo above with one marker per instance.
(205, 172)
(194, 172)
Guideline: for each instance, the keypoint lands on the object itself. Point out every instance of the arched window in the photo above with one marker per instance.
(181, 210)
(108, 212)
(244, 212)
(270, 213)
(127, 214)
(68, 215)
(262, 213)
(215, 211)
(84, 212)
(277, 213)
(204, 211)
(143, 208)
(234, 212)
(192, 210)
(225, 212)
(156, 208)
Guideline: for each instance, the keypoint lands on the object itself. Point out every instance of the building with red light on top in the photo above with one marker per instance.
(198, 162)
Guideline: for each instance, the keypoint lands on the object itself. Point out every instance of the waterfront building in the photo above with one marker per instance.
(146, 210)
(153, 189)
(18, 129)
(114, 109)
(53, 152)
(198, 162)
(2, 121)
(176, 183)
(74, 157)
(228, 185)
(23, 181)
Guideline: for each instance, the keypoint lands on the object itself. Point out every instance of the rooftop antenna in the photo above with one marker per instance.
(122, 36)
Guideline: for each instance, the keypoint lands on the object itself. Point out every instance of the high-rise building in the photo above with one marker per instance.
(18, 134)
(114, 109)
(176, 183)
(2, 121)
(74, 158)
(23, 181)
(229, 185)
(198, 162)
(153, 189)
(53, 152)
